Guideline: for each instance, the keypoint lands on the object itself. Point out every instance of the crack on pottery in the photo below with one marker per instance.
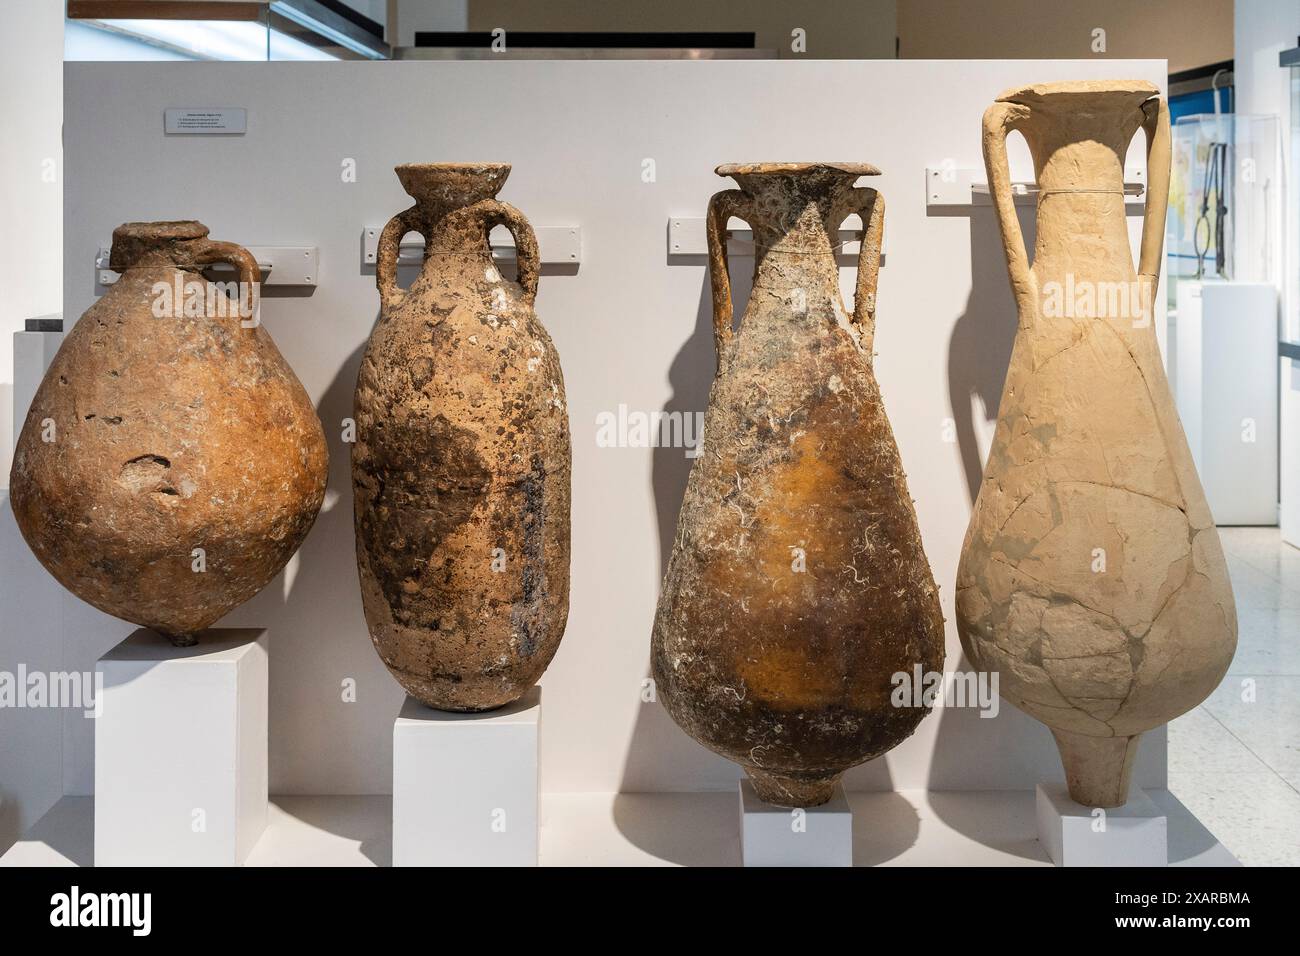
(1116, 469)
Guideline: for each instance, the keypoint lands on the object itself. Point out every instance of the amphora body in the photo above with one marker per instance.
(461, 465)
(797, 585)
(1091, 578)
(171, 462)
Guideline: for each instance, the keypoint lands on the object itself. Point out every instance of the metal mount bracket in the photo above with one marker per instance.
(688, 236)
(558, 245)
(957, 186)
(281, 265)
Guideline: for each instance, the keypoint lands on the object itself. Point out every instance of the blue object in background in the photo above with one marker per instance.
(1190, 104)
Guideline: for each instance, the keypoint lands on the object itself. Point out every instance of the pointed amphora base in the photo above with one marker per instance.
(1097, 769)
(781, 790)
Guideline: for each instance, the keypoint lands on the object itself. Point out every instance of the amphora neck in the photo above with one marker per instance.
(180, 242)
(443, 194)
(1079, 132)
(798, 207)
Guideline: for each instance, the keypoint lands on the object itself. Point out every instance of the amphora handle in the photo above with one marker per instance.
(723, 205)
(870, 206)
(1000, 119)
(495, 213)
(208, 251)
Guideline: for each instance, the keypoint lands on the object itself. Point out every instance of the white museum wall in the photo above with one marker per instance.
(31, 111)
(632, 327)
(31, 739)
(1263, 29)
(31, 284)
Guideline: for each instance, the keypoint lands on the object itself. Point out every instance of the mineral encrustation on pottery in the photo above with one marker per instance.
(797, 586)
(171, 463)
(1092, 578)
(461, 468)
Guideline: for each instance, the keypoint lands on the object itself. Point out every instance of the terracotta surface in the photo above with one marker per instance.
(797, 584)
(170, 433)
(461, 468)
(1091, 578)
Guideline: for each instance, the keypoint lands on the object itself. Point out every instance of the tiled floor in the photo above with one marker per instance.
(1235, 760)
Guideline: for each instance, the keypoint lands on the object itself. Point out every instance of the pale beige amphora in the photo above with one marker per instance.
(1092, 579)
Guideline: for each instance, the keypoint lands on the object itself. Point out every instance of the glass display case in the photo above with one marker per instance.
(1290, 344)
(247, 31)
(1224, 231)
(1224, 199)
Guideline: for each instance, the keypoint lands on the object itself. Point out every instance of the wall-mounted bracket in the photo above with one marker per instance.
(957, 186)
(558, 245)
(688, 236)
(281, 265)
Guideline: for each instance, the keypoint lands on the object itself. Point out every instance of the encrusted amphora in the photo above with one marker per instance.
(171, 462)
(461, 467)
(797, 586)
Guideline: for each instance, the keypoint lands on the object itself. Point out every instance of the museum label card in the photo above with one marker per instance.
(207, 120)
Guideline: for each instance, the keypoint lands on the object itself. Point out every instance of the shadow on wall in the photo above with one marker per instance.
(697, 829)
(68, 830)
(660, 756)
(358, 823)
(302, 608)
(979, 352)
(10, 825)
(31, 738)
(887, 830)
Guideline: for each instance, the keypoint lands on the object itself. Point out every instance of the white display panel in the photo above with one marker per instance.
(632, 326)
(1227, 393)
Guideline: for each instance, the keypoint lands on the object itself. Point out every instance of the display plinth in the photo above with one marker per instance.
(781, 836)
(1227, 393)
(1136, 834)
(181, 750)
(465, 785)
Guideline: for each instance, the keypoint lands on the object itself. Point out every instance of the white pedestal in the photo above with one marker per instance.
(780, 836)
(1135, 834)
(180, 750)
(465, 785)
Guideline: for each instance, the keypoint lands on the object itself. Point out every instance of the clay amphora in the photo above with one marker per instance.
(462, 461)
(171, 462)
(797, 584)
(1091, 578)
